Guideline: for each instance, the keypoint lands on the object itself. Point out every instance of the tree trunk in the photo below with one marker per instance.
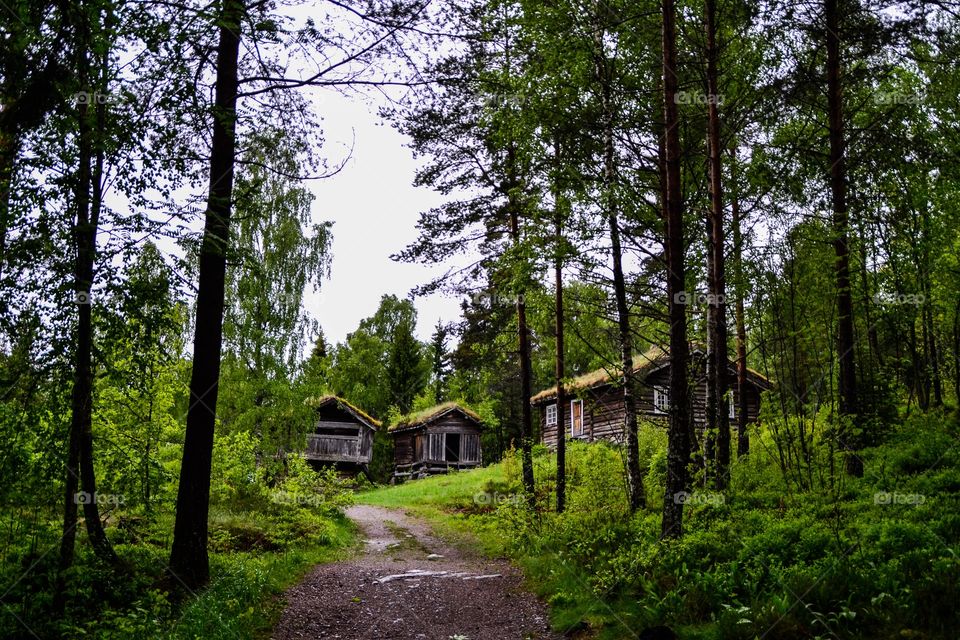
(717, 412)
(9, 149)
(849, 404)
(930, 330)
(743, 437)
(80, 452)
(678, 435)
(920, 386)
(188, 556)
(526, 416)
(627, 379)
(872, 337)
(558, 311)
(523, 332)
(87, 252)
(956, 351)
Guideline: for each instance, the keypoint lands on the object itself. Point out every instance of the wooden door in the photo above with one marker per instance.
(576, 418)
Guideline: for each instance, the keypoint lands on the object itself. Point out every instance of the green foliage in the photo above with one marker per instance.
(869, 558)
(381, 364)
(261, 543)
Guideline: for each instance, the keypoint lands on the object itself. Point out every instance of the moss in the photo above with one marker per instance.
(318, 402)
(423, 416)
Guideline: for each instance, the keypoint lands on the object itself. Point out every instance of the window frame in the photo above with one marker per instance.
(658, 393)
(547, 412)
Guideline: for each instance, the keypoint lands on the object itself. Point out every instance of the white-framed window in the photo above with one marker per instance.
(551, 415)
(661, 400)
(576, 418)
(733, 411)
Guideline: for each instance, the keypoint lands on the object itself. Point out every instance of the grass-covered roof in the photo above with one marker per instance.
(362, 415)
(643, 364)
(418, 418)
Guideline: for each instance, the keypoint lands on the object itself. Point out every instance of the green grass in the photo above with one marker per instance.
(454, 488)
(255, 557)
(449, 502)
(245, 596)
(764, 557)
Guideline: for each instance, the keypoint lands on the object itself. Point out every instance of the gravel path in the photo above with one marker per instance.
(408, 584)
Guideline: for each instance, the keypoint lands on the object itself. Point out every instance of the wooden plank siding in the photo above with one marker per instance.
(328, 448)
(603, 408)
(403, 448)
(339, 437)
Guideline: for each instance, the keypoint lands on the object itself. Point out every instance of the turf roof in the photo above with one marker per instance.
(423, 416)
(651, 359)
(641, 363)
(316, 403)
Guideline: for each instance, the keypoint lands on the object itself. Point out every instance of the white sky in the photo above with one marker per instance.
(374, 208)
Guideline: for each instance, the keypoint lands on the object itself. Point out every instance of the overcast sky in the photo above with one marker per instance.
(374, 208)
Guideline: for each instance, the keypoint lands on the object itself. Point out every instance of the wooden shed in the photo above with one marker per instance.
(594, 401)
(343, 435)
(436, 440)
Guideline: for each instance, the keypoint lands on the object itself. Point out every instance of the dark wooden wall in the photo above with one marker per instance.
(416, 445)
(339, 437)
(603, 408)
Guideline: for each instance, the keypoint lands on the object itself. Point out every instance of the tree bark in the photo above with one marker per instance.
(9, 150)
(956, 350)
(80, 447)
(523, 333)
(526, 416)
(717, 412)
(678, 435)
(87, 256)
(627, 379)
(188, 556)
(930, 330)
(558, 312)
(849, 403)
(743, 436)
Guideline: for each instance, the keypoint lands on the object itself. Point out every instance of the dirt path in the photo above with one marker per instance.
(408, 584)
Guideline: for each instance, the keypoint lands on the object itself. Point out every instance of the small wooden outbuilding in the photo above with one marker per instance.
(436, 440)
(343, 435)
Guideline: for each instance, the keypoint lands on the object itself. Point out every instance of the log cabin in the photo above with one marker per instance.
(342, 437)
(436, 440)
(594, 401)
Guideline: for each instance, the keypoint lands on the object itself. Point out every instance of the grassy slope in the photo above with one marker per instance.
(257, 556)
(763, 558)
(245, 598)
(447, 502)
